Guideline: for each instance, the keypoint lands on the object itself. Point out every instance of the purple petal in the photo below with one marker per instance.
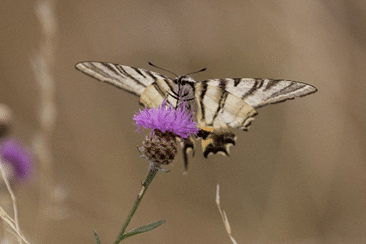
(167, 118)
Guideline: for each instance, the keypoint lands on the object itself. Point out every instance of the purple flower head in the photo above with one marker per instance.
(178, 120)
(15, 155)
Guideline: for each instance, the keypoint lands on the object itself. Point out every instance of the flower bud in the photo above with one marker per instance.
(159, 147)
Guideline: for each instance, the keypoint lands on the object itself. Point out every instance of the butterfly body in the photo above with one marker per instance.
(218, 104)
(175, 91)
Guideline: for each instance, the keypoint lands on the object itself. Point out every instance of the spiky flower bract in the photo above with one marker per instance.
(159, 147)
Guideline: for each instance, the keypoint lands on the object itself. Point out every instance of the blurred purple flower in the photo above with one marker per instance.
(14, 154)
(178, 121)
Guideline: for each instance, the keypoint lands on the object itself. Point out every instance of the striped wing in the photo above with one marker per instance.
(260, 92)
(220, 109)
(217, 110)
(231, 103)
(133, 80)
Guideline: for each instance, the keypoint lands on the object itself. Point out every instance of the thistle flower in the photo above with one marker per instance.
(166, 123)
(178, 120)
(16, 160)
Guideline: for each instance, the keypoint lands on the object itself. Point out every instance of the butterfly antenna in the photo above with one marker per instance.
(153, 65)
(201, 70)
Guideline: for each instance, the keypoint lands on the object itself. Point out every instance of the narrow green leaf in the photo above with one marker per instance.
(165, 170)
(144, 228)
(96, 237)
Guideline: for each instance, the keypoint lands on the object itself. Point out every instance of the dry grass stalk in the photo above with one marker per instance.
(42, 63)
(12, 222)
(223, 215)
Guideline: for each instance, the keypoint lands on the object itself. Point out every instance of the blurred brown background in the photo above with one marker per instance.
(298, 175)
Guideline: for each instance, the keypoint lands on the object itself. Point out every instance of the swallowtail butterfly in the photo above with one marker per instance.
(219, 104)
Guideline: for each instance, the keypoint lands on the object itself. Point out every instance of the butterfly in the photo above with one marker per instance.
(218, 104)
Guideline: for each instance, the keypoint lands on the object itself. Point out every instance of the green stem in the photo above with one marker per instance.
(152, 171)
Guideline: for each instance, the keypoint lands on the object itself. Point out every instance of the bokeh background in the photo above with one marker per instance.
(297, 176)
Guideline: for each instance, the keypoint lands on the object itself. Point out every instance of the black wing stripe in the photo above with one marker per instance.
(221, 104)
(150, 74)
(169, 83)
(222, 84)
(101, 71)
(138, 71)
(202, 95)
(271, 83)
(259, 83)
(250, 91)
(114, 69)
(236, 81)
(120, 67)
(159, 90)
(284, 90)
(291, 88)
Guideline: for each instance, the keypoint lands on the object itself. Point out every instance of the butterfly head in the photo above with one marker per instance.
(184, 80)
(184, 89)
(185, 86)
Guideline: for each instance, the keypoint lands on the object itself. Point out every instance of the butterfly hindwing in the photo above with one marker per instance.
(217, 142)
(218, 110)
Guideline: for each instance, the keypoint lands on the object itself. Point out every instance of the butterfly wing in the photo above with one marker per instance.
(218, 110)
(133, 80)
(231, 103)
(260, 92)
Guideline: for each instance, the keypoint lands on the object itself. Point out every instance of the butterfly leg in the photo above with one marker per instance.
(187, 146)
